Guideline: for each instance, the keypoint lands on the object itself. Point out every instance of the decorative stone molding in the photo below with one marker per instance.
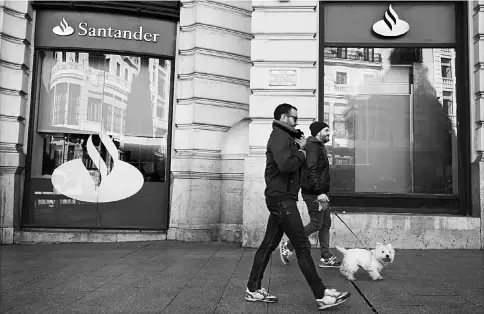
(15, 66)
(15, 40)
(214, 77)
(11, 170)
(213, 102)
(216, 53)
(206, 127)
(192, 27)
(18, 119)
(225, 6)
(13, 92)
(16, 13)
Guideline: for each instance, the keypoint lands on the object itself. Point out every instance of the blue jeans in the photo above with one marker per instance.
(285, 218)
(319, 221)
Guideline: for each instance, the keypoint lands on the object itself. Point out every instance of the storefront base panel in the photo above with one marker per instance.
(402, 231)
(205, 233)
(85, 236)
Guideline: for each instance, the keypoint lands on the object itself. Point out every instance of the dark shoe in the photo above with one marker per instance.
(260, 295)
(332, 297)
(330, 262)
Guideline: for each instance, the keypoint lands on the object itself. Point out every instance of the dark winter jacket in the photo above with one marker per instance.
(283, 164)
(315, 172)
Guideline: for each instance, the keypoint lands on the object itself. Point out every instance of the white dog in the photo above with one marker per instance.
(372, 261)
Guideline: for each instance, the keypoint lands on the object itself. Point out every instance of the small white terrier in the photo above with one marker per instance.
(372, 261)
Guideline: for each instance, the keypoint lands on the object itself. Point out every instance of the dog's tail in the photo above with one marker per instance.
(341, 249)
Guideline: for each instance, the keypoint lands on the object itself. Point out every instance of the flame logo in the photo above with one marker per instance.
(63, 29)
(391, 25)
(73, 179)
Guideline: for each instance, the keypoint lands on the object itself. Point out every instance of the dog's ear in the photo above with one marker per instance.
(389, 246)
(378, 244)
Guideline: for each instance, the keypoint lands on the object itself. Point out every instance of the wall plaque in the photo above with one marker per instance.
(282, 77)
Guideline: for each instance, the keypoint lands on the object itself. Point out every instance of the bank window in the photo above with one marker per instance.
(126, 74)
(77, 103)
(394, 136)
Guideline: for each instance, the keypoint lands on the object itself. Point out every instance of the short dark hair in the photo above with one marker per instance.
(282, 109)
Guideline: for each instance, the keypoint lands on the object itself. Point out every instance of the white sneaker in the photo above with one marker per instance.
(285, 253)
(332, 297)
(260, 295)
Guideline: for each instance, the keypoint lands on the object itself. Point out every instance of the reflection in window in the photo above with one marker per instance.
(397, 133)
(79, 97)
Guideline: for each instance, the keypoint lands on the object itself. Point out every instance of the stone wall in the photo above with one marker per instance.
(284, 38)
(211, 96)
(15, 70)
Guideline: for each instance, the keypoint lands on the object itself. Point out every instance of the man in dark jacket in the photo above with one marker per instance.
(284, 159)
(315, 185)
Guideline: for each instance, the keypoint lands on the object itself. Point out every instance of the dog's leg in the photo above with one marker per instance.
(375, 275)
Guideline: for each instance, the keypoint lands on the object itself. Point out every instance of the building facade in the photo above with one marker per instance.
(149, 120)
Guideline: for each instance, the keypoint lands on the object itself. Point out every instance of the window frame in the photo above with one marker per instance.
(415, 203)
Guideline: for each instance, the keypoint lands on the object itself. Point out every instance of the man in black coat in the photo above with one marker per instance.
(285, 156)
(315, 183)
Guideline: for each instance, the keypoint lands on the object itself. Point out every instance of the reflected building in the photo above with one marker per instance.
(87, 89)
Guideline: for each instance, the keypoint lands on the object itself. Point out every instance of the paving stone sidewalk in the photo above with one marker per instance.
(177, 277)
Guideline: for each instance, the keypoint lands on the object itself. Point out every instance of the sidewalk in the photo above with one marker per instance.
(177, 277)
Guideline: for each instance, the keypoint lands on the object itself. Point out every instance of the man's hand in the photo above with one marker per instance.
(301, 142)
(323, 198)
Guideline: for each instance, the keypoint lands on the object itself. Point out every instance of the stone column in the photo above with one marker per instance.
(212, 95)
(476, 11)
(285, 37)
(15, 68)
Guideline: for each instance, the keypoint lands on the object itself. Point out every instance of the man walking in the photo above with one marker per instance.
(284, 158)
(315, 185)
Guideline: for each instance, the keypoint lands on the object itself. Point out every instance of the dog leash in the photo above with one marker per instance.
(348, 227)
(343, 223)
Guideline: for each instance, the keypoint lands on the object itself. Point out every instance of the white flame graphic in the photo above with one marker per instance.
(73, 180)
(391, 25)
(63, 29)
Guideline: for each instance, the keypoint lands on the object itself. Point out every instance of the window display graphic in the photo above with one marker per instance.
(72, 179)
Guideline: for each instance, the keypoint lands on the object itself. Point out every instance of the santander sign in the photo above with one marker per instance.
(139, 34)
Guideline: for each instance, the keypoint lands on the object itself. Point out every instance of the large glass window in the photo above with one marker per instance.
(393, 113)
(99, 147)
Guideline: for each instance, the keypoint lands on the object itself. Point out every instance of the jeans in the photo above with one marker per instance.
(319, 221)
(285, 218)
